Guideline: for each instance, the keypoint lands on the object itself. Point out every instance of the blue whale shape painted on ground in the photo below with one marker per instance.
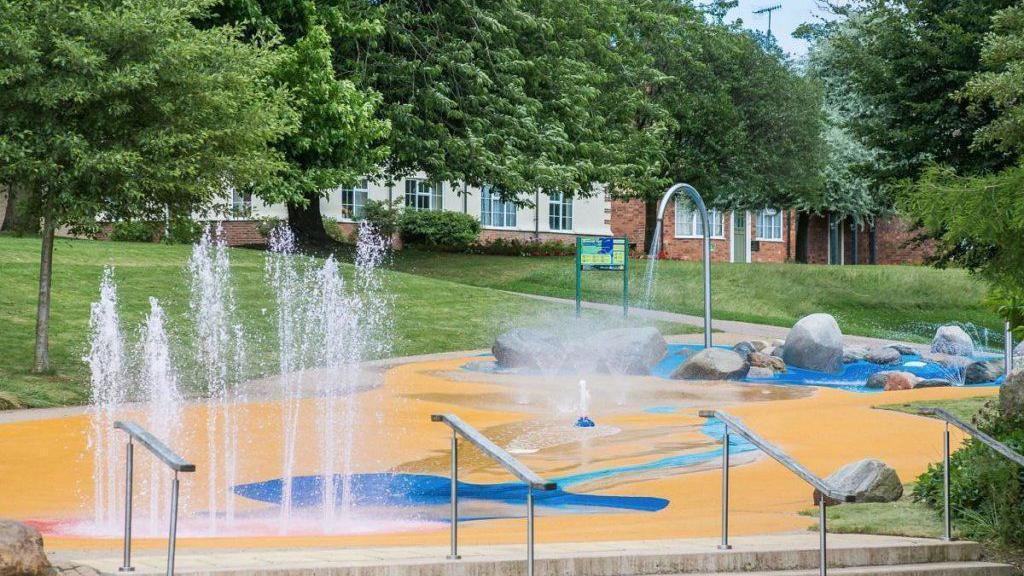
(420, 490)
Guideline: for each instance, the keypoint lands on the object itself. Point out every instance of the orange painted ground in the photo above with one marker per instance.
(46, 468)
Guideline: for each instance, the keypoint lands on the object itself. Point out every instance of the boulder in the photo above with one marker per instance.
(951, 339)
(883, 356)
(948, 361)
(903, 349)
(778, 351)
(889, 380)
(759, 345)
(713, 364)
(775, 343)
(869, 480)
(854, 353)
(1018, 350)
(932, 383)
(528, 348)
(744, 348)
(21, 550)
(627, 350)
(1011, 395)
(983, 371)
(815, 343)
(760, 372)
(762, 360)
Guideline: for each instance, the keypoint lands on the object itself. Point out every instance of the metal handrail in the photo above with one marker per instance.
(527, 476)
(175, 463)
(824, 488)
(996, 445)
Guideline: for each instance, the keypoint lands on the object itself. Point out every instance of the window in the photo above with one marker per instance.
(422, 195)
(494, 211)
(689, 224)
(769, 224)
(241, 203)
(353, 200)
(559, 212)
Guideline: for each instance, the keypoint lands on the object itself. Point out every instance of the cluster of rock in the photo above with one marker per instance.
(617, 351)
(754, 358)
(889, 380)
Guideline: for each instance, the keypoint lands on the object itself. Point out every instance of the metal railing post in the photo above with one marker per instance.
(455, 498)
(129, 450)
(173, 536)
(1007, 351)
(529, 531)
(822, 538)
(947, 533)
(725, 491)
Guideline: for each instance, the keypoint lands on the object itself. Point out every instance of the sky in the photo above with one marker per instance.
(784, 20)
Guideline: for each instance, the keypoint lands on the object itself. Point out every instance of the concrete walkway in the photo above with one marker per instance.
(633, 558)
(749, 329)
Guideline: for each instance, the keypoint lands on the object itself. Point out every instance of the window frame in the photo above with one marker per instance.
(491, 206)
(355, 211)
(241, 204)
(564, 214)
(434, 195)
(760, 226)
(715, 216)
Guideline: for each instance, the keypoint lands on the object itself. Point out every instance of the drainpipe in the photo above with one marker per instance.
(536, 216)
(465, 199)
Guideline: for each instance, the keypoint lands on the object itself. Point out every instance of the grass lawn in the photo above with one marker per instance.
(900, 302)
(903, 517)
(431, 315)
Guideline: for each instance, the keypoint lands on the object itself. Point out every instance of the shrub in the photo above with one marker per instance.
(266, 224)
(439, 229)
(986, 490)
(134, 231)
(183, 231)
(517, 247)
(383, 216)
(335, 232)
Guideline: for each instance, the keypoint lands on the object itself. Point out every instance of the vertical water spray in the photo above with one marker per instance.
(651, 274)
(163, 408)
(106, 360)
(212, 305)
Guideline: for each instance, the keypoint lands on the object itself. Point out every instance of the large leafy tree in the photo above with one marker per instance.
(125, 110)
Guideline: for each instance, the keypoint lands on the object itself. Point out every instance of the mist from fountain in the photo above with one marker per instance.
(651, 274)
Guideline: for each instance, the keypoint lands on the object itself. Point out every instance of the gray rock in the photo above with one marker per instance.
(759, 345)
(760, 372)
(903, 349)
(627, 350)
(777, 342)
(778, 351)
(1018, 350)
(889, 380)
(932, 383)
(854, 353)
(815, 343)
(869, 480)
(951, 339)
(762, 360)
(1011, 395)
(883, 356)
(744, 348)
(528, 348)
(713, 364)
(21, 550)
(949, 361)
(983, 371)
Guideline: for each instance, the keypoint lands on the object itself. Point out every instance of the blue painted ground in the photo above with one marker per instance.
(852, 377)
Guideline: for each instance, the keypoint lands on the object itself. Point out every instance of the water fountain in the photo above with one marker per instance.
(584, 420)
(325, 325)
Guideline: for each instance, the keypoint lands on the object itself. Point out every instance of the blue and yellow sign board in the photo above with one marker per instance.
(603, 253)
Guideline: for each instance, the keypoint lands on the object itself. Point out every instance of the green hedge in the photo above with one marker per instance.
(438, 229)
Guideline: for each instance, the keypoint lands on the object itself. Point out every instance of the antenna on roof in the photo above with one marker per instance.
(768, 10)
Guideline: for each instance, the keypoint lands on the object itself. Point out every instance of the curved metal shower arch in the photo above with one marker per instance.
(706, 224)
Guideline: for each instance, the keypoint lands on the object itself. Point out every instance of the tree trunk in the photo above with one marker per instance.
(650, 223)
(872, 245)
(803, 221)
(307, 223)
(42, 363)
(853, 242)
(9, 221)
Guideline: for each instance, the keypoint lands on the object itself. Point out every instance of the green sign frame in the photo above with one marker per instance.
(607, 253)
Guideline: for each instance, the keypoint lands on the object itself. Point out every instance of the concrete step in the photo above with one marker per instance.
(782, 554)
(931, 569)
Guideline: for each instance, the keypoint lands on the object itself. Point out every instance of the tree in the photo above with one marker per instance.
(341, 136)
(125, 110)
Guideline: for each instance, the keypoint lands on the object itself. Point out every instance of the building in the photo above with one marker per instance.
(770, 235)
(549, 218)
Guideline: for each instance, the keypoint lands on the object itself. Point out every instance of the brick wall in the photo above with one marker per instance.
(629, 218)
(892, 235)
(674, 248)
(491, 234)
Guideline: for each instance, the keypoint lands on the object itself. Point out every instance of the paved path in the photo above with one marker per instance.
(749, 329)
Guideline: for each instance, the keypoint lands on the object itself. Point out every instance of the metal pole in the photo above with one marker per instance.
(625, 281)
(455, 498)
(579, 279)
(822, 539)
(1007, 351)
(173, 537)
(946, 520)
(529, 531)
(707, 283)
(128, 467)
(725, 492)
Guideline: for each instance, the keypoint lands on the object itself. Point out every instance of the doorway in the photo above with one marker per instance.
(740, 237)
